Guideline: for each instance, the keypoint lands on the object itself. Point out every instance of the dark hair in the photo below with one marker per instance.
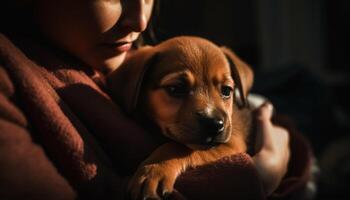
(13, 13)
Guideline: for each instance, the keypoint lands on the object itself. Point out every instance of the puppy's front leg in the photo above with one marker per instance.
(157, 174)
(155, 178)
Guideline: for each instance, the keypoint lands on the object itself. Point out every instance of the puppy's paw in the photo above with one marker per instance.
(153, 181)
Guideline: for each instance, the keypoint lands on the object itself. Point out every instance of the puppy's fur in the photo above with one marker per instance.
(192, 92)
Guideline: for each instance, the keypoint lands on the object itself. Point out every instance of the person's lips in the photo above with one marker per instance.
(118, 46)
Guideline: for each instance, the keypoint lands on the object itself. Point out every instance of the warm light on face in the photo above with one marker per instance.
(99, 32)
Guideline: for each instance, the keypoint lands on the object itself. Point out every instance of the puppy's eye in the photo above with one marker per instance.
(177, 90)
(226, 91)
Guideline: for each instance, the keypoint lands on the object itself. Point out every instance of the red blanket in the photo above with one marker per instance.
(62, 137)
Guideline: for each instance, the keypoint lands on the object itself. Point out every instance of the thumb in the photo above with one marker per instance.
(263, 125)
(264, 113)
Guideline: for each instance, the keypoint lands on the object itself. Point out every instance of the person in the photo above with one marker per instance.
(61, 135)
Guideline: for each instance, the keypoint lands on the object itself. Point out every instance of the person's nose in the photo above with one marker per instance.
(134, 17)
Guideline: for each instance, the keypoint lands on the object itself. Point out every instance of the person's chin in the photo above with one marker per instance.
(113, 63)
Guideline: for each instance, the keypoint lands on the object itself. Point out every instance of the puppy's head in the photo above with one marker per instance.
(186, 87)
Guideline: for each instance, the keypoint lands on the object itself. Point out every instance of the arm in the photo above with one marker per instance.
(25, 171)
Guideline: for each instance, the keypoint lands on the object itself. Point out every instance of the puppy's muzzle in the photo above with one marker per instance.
(212, 128)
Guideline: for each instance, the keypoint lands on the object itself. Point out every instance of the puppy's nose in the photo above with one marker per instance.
(213, 126)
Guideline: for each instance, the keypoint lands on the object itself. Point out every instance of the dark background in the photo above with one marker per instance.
(297, 49)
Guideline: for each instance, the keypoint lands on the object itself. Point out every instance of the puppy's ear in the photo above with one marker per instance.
(124, 84)
(242, 75)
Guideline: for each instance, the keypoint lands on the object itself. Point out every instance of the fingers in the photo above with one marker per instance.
(269, 136)
(264, 126)
(264, 112)
(283, 139)
(273, 156)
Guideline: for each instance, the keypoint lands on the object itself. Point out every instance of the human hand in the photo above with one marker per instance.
(272, 146)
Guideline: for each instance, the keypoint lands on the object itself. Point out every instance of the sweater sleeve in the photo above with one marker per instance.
(25, 170)
(233, 177)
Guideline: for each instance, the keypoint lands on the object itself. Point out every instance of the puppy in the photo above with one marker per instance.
(194, 93)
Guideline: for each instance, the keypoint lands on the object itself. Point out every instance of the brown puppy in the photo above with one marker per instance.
(193, 92)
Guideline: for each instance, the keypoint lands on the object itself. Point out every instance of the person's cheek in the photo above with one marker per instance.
(107, 14)
(149, 9)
